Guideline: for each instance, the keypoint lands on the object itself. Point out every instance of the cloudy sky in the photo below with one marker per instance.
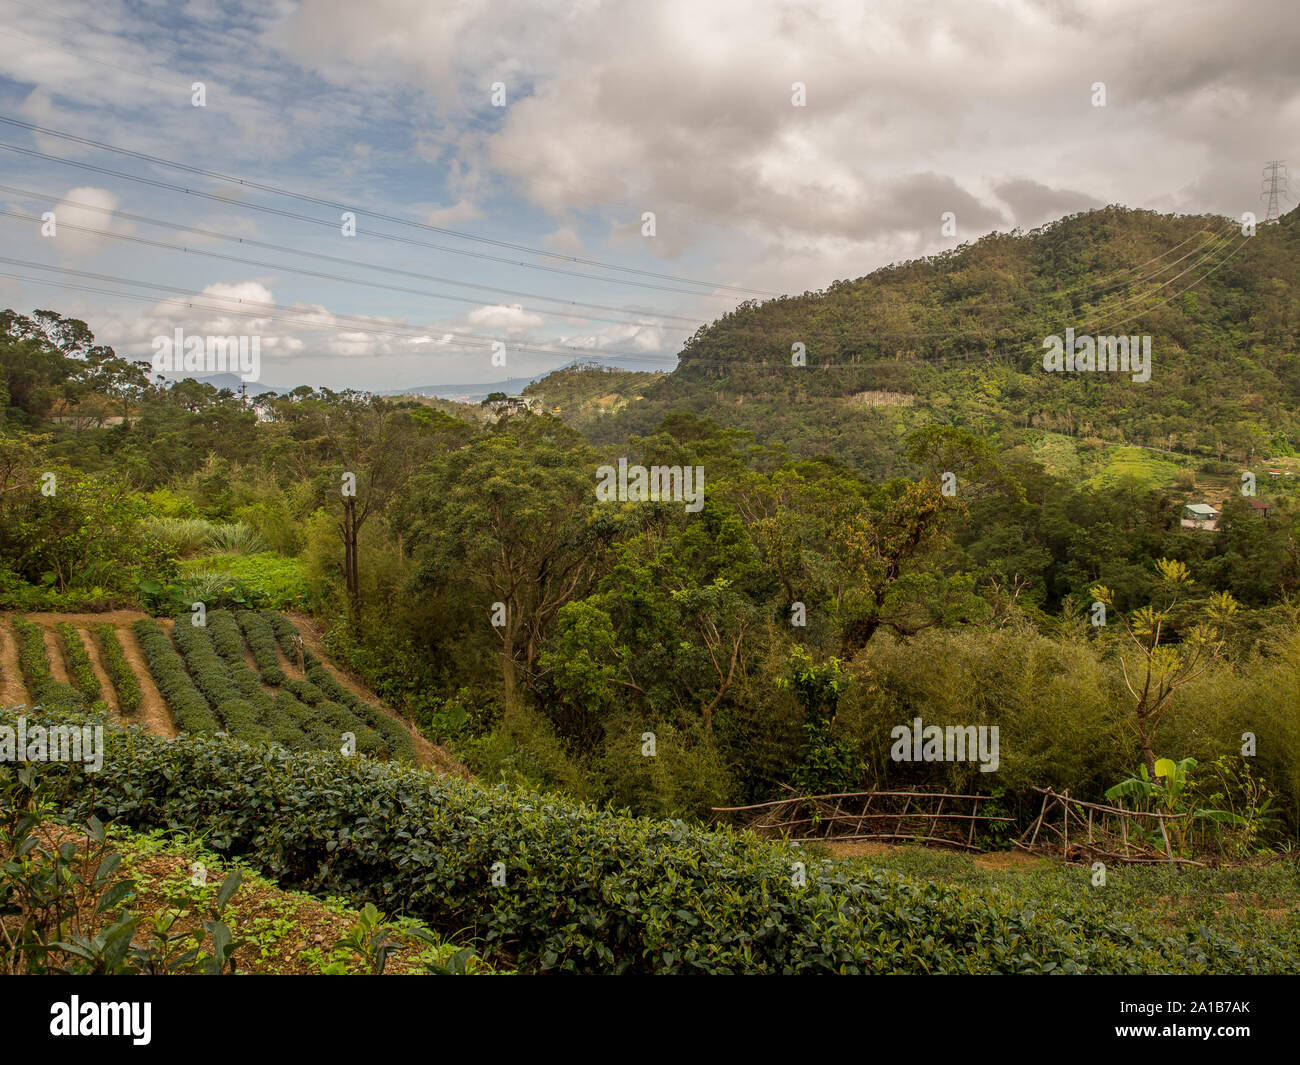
(500, 159)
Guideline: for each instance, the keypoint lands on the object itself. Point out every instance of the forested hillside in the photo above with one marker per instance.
(959, 338)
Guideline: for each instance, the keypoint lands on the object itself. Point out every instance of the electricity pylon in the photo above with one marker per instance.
(1274, 187)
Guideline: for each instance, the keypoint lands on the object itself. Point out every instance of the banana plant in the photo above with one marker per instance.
(1166, 791)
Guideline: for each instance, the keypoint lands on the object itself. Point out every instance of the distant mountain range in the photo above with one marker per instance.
(471, 393)
(513, 386)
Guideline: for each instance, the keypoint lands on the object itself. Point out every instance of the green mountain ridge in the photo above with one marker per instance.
(958, 339)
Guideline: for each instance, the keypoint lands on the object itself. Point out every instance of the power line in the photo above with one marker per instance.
(333, 225)
(362, 324)
(337, 205)
(1222, 262)
(419, 243)
(972, 358)
(566, 351)
(367, 325)
(113, 235)
(277, 190)
(1220, 243)
(145, 219)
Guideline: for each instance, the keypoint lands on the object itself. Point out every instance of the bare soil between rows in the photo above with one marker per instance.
(153, 713)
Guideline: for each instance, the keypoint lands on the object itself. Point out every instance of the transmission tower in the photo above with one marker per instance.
(1274, 187)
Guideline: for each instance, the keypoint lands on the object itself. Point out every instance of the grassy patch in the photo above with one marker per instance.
(272, 580)
(1246, 901)
(1137, 464)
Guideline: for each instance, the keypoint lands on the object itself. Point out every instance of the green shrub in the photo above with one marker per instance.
(686, 777)
(341, 719)
(396, 736)
(43, 690)
(189, 708)
(32, 658)
(228, 642)
(304, 691)
(264, 579)
(119, 669)
(285, 632)
(185, 536)
(389, 736)
(78, 662)
(589, 890)
(296, 727)
(210, 673)
(261, 641)
(1059, 715)
(235, 538)
(244, 721)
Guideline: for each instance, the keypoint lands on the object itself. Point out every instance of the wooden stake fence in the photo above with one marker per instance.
(885, 816)
(1065, 827)
(1110, 833)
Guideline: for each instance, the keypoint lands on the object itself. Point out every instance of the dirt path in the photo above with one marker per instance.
(290, 668)
(1010, 860)
(153, 712)
(54, 652)
(12, 690)
(430, 754)
(85, 621)
(106, 690)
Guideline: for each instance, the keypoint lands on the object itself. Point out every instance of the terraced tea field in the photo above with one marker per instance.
(250, 674)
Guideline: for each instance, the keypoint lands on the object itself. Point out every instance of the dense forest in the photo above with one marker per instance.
(917, 522)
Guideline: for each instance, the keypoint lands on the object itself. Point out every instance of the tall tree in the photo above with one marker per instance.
(513, 516)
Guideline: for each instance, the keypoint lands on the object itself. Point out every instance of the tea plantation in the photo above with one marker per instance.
(205, 680)
(543, 883)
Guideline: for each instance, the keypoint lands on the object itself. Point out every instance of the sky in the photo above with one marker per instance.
(499, 160)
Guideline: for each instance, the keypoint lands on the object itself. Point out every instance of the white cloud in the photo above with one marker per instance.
(513, 319)
(81, 209)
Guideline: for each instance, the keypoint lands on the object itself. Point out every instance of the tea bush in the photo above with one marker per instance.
(394, 735)
(211, 675)
(32, 659)
(189, 708)
(119, 669)
(368, 740)
(228, 642)
(299, 716)
(78, 662)
(589, 890)
(43, 690)
(261, 641)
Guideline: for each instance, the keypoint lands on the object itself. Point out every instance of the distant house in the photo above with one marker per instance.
(1259, 508)
(1200, 516)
